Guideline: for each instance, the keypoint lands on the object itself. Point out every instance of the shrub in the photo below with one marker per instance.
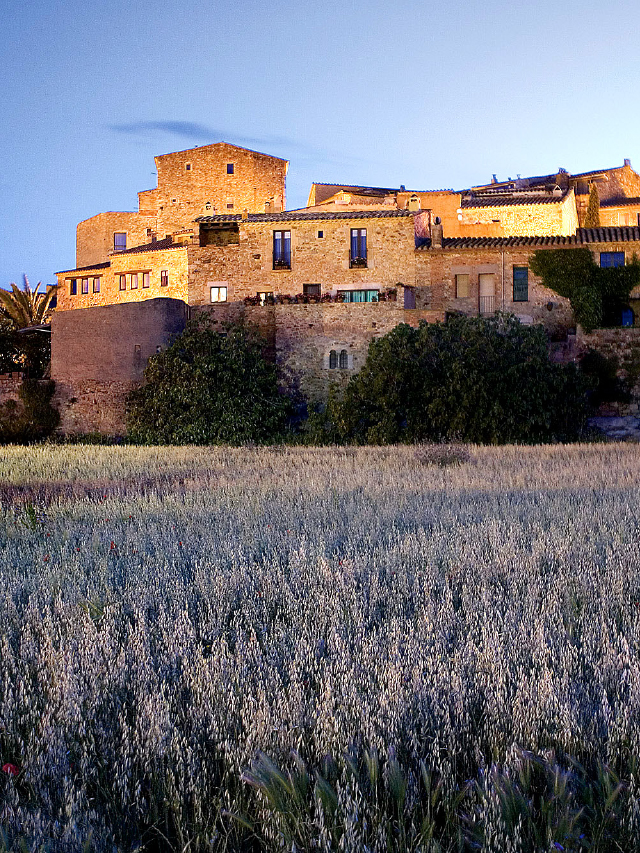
(209, 387)
(470, 379)
(33, 417)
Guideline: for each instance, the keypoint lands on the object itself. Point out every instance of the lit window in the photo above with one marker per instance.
(521, 284)
(218, 294)
(85, 285)
(164, 278)
(119, 241)
(134, 281)
(73, 287)
(358, 254)
(282, 250)
(96, 284)
(359, 295)
(122, 282)
(265, 298)
(229, 168)
(146, 279)
(611, 259)
(344, 359)
(462, 285)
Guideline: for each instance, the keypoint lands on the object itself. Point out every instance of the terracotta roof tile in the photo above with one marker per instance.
(302, 215)
(582, 237)
(509, 200)
(90, 267)
(165, 243)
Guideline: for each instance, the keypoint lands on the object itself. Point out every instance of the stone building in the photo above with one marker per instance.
(320, 282)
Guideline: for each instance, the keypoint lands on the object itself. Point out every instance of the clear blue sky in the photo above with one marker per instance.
(430, 95)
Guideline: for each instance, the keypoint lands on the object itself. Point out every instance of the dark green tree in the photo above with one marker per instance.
(482, 380)
(209, 387)
(597, 295)
(592, 216)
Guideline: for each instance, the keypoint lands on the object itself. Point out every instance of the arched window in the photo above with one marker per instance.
(344, 359)
(333, 359)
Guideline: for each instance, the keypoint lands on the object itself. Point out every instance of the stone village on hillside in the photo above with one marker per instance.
(321, 281)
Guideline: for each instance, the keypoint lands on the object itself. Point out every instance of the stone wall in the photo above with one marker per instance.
(10, 384)
(624, 345)
(174, 260)
(436, 276)
(522, 220)
(247, 267)
(94, 236)
(98, 354)
(206, 187)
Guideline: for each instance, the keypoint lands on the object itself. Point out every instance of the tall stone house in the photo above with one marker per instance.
(322, 281)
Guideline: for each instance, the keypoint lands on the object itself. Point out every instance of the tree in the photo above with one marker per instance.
(209, 387)
(597, 294)
(26, 307)
(592, 216)
(483, 380)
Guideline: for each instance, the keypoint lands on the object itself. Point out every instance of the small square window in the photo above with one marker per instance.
(164, 278)
(187, 167)
(96, 284)
(229, 204)
(218, 293)
(85, 285)
(119, 241)
(311, 289)
(462, 285)
(134, 281)
(73, 287)
(320, 235)
(229, 168)
(146, 279)
(122, 282)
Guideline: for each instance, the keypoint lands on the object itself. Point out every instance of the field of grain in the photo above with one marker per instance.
(367, 649)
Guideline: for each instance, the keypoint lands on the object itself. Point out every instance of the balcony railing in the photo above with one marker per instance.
(487, 305)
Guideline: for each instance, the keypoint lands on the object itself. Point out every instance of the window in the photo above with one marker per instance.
(321, 233)
(146, 279)
(611, 259)
(229, 168)
(311, 290)
(96, 284)
(358, 255)
(122, 282)
(265, 298)
(134, 281)
(282, 250)
(73, 287)
(218, 293)
(333, 360)
(85, 285)
(521, 284)
(344, 359)
(462, 285)
(358, 295)
(187, 167)
(164, 278)
(230, 204)
(119, 241)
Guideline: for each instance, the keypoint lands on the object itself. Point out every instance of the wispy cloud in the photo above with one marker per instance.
(187, 129)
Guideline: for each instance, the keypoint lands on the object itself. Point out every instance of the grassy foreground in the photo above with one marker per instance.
(320, 649)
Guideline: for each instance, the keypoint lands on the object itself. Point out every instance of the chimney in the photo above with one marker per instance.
(414, 203)
(277, 205)
(245, 213)
(267, 207)
(494, 178)
(627, 162)
(436, 233)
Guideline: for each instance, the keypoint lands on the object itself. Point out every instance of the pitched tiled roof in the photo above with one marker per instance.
(90, 267)
(325, 191)
(304, 214)
(619, 202)
(504, 200)
(582, 237)
(165, 243)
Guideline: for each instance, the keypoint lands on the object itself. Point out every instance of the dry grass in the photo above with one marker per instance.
(170, 617)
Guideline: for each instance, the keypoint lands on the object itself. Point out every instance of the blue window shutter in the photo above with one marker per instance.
(286, 247)
(354, 243)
